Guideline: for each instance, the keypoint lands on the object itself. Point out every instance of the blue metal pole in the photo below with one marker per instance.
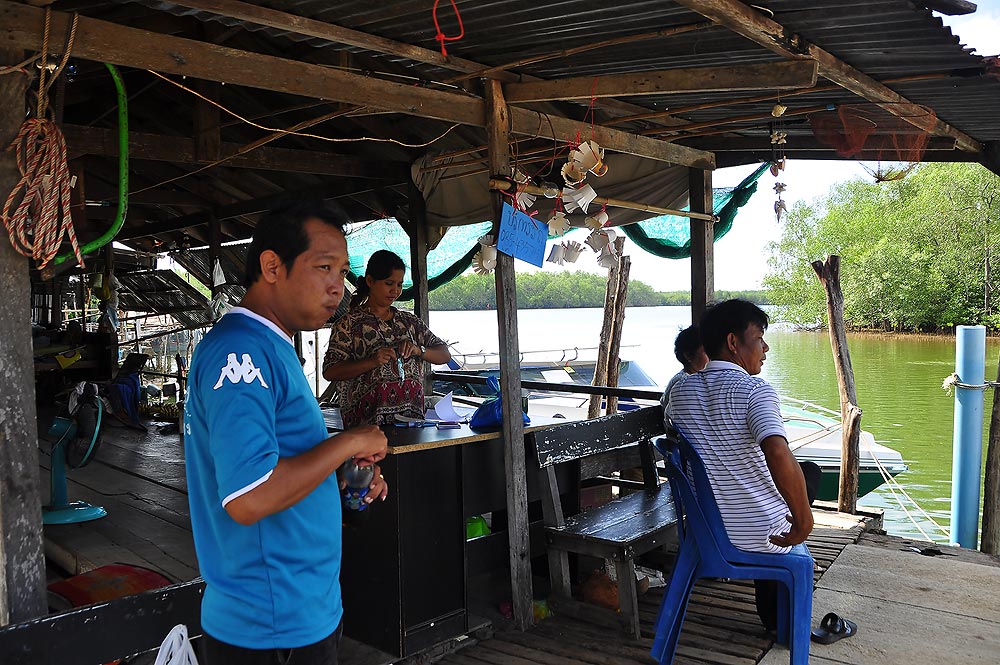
(970, 365)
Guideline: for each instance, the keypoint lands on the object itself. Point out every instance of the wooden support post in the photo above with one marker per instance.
(604, 344)
(702, 243)
(22, 565)
(417, 229)
(990, 540)
(497, 123)
(621, 295)
(829, 275)
(207, 127)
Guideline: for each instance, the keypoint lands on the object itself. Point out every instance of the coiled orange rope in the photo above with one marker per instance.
(37, 225)
(41, 219)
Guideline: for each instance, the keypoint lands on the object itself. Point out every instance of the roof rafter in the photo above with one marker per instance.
(762, 76)
(753, 25)
(108, 42)
(273, 18)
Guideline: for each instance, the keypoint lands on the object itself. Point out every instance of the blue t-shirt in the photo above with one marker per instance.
(274, 584)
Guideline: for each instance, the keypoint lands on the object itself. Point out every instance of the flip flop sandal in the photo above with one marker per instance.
(833, 627)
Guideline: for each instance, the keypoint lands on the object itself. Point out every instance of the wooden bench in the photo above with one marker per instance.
(628, 526)
(106, 631)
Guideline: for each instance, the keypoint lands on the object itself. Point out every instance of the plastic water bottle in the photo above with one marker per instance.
(358, 479)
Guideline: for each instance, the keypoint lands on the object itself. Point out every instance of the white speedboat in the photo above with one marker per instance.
(813, 431)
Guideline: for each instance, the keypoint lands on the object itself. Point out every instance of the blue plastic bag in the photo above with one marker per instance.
(489, 415)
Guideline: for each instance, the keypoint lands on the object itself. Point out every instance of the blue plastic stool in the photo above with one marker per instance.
(706, 551)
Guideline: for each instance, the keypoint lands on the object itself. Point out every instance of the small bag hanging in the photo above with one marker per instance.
(489, 415)
(176, 648)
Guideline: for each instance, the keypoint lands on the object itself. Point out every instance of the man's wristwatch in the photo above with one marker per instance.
(423, 350)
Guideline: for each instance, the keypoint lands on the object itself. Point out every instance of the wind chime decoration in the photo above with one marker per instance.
(780, 209)
(779, 137)
(485, 260)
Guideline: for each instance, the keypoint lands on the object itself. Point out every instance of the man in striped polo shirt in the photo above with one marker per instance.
(732, 418)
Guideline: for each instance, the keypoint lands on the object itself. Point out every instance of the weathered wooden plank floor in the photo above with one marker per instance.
(139, 478)
(721, 626)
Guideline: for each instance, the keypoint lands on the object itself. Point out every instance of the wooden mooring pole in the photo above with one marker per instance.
(829, 275)
(990, 540)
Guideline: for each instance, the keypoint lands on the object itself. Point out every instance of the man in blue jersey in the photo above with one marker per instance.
(265, 502)
(732, 418)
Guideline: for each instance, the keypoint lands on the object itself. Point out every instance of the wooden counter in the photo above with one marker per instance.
(408, 560)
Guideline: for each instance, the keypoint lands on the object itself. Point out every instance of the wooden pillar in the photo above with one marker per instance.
(829, 275)
(702, 243)
(497, 123)
(418, 252)
(22, 564)
(207, 128)
(417, 229)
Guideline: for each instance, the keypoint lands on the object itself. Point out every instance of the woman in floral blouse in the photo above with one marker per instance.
(377, 352)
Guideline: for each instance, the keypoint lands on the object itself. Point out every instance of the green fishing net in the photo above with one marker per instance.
(667, 236)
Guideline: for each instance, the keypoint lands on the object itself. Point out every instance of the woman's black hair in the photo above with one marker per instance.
(380, 266)
(282, 230)
(729, 316)
(686, 344)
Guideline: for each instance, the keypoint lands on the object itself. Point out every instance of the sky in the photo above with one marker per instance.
(741, 256)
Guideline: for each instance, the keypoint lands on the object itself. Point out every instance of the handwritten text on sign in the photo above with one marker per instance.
(521, 236)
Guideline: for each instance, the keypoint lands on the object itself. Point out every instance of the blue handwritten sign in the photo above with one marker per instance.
(521, 236)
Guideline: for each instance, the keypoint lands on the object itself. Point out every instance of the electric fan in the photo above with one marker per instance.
(78, 437)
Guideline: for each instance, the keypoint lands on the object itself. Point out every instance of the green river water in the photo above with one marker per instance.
(899, 389)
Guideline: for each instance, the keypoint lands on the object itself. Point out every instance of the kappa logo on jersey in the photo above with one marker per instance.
(236, 371)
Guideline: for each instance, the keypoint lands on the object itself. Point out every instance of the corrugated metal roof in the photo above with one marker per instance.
(884, 39)
(164, 292)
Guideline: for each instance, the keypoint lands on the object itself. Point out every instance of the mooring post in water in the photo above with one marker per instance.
(970, 365)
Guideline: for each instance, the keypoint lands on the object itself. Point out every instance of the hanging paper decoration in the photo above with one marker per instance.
(579, 198)
(485, 260)
(571, 251)
(523, 198)
(597, 220)
(556, 254)
(573, 174)
(599, 239)
(558, 224)
(607, 257)
(589, 156)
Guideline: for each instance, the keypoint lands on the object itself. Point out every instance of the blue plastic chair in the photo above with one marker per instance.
(706, 551)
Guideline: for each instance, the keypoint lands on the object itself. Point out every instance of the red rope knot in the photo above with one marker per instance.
(440, 37)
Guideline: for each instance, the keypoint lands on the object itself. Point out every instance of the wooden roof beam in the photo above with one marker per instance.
(762, 76)
(20, 27)
(180, 150)
(753, 25)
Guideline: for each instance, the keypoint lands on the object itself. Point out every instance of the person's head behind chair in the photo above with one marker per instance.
(733, 330)
(689, 350)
